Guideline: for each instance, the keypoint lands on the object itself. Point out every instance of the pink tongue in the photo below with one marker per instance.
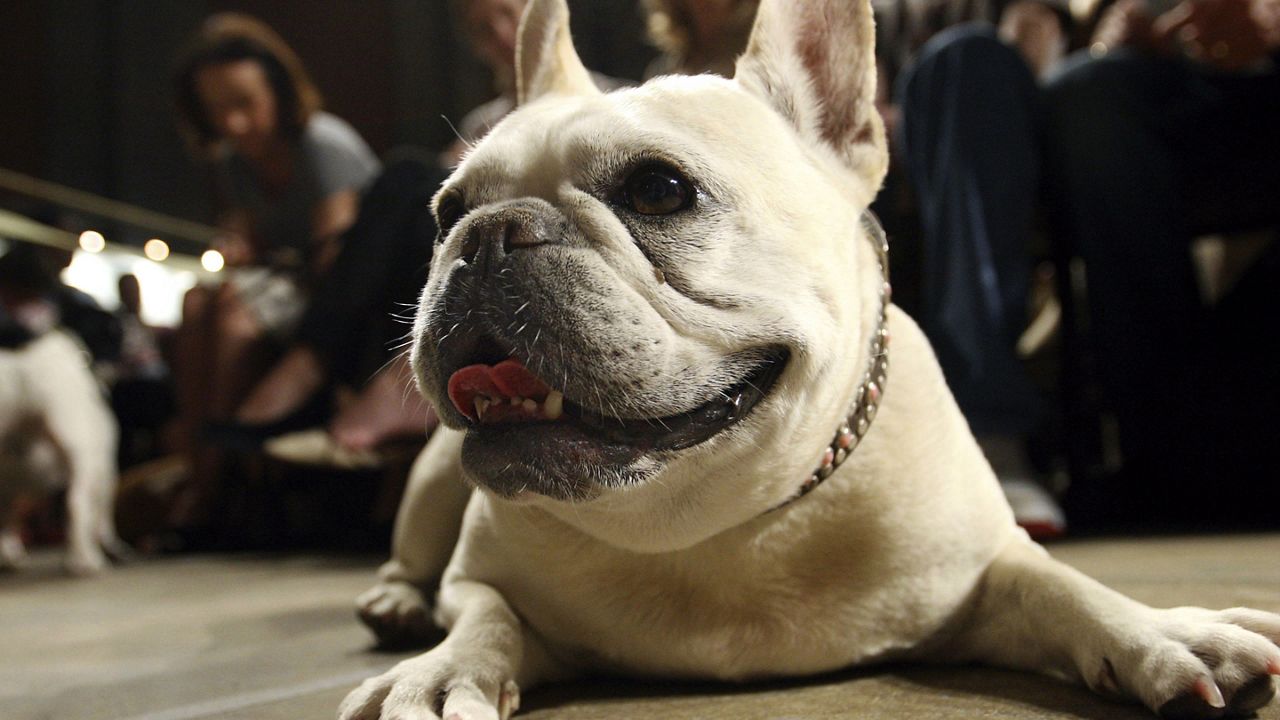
(503, 381)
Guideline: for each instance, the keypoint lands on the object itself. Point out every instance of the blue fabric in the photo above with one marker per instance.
(970, 134)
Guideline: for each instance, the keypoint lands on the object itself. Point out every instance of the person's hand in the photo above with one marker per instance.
(1230, 35)
(1126, 23)
(1036, 32)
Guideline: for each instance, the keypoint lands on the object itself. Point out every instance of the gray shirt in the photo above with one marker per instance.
(331, 157)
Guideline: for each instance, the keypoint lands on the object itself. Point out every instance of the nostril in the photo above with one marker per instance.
(518, 234)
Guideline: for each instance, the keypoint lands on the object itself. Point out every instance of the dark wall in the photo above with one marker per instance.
(85, 83)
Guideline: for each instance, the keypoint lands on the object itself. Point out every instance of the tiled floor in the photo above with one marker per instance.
(265, 638)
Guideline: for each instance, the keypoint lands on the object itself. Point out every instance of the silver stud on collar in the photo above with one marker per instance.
(871, 389)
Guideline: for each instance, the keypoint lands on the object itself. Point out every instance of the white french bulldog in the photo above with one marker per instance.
(656, 320)
(56, 432)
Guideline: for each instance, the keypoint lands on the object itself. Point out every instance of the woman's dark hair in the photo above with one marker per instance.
(232, 37)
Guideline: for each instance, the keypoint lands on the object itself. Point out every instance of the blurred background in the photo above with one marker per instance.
(87, 100)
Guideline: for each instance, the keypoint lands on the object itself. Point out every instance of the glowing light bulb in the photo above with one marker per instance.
(212, 261)
(156, 249)
(92, 241)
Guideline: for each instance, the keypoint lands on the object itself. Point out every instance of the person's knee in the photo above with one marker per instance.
(237, 323)
(195, 304)
(970, 52)
(1104, 87)
(965, 66)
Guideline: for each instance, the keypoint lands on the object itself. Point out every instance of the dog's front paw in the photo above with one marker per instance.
(1197, 663)
(434, 686)
(397, 613)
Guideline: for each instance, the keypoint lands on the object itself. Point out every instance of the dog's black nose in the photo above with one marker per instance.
(507, 229)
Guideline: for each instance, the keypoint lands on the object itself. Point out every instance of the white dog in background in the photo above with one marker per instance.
(56, 432)
(657, 330)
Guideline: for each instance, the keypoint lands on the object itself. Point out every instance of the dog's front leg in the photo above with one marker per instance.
(1035, 613)
(396, 609)
(474, 674)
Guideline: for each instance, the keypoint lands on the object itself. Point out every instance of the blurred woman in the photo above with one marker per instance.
(287, 181)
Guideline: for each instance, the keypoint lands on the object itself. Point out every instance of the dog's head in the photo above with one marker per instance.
(647, 308)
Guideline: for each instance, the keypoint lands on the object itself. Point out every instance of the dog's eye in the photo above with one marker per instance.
(657, 191)
(448, 212)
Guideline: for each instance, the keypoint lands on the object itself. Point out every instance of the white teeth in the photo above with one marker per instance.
(553, 406)
(529, 405)
(482, 406)
(517, 400)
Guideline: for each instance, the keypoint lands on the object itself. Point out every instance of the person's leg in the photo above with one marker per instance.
(971, 139)
(388, 406)
(240, 353)
(192, 359)
(379, 271)
(1127, 134)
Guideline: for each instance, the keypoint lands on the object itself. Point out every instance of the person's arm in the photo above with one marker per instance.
(236, 243)
(330, 218)
(1231, 35)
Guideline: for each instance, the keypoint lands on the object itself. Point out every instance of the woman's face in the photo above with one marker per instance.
(240, 105)
(492, 25)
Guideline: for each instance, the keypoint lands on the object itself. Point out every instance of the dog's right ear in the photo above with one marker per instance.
(546, 61)
(814, 62)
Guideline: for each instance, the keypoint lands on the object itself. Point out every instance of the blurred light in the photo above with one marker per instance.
(212, 261)
(162, 290)
(92, 241)
(93, 274)
(156, 249)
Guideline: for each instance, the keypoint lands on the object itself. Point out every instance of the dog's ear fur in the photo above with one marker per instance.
(814, 62)
(546, 61)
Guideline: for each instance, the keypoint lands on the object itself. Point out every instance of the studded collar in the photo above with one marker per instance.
(871, 390)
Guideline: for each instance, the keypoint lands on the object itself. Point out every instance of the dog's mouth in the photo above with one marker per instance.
(507, 396)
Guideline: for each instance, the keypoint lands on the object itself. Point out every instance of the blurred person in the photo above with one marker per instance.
(490, 29)
(353, 334)
(287, 182)
(698, 36)
(142, 389)
(961, 98)
(1164, 129)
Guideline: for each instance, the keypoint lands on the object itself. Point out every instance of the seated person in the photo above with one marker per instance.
(289, 178)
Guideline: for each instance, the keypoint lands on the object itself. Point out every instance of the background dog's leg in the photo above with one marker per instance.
(475, 674)
(1035, 613)
(13, 552)
(426, 530)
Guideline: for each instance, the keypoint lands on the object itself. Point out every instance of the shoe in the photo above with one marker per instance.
(251, 436)
(1034, 509)
(316, 447)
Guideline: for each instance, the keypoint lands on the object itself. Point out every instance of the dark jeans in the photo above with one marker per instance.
(1144, 154)
(970, 135)
(363, 309)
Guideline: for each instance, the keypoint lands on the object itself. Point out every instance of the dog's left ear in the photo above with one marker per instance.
(814, 62)
(546, 61)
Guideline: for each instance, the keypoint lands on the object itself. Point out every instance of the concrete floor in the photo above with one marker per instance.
(268, 638)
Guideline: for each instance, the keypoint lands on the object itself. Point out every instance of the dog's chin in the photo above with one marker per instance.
(573, 457)
(562, 461)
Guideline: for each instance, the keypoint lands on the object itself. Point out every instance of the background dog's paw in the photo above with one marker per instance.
(13, 553)
(397, 613)
(118, 550)
(1196, 663)
(87, 564)
(434, 686)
